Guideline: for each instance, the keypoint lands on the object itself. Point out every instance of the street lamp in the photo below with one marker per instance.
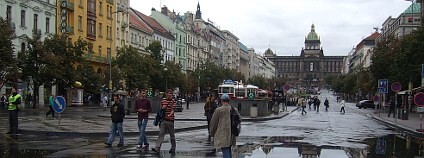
(166, 79)
(110, 53)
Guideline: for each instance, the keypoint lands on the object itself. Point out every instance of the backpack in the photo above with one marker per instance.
(235, 122)
(160, 115)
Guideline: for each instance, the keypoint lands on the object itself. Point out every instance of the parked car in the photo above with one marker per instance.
(365, 104)
(179, 106)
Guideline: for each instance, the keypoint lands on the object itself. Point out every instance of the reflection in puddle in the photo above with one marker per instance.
(387, 146)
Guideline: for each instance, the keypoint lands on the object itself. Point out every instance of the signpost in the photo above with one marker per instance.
(149, 93)
(396, 87)
(376, 98)
(59, 105)
(383, 88)
(419, 101)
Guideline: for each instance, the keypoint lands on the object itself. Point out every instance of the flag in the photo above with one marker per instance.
(410, 19)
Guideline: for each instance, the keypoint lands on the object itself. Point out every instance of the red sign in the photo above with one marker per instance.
(376, 98)
(419, 99)
(396, 87)
(286, 87)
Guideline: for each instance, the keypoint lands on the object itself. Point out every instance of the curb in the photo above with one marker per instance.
(397, 126)
(105, 134)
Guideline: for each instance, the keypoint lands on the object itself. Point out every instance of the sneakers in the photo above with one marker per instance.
(108, 145)
(172, 151)
(144, 147)
(156, 150)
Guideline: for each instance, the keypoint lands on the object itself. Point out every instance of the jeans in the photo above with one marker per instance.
(142, 123)
(303, 110)
(342, 109)
(51, 111)
(226, 152)
(166, 127)
(116, 127)
(13, 121)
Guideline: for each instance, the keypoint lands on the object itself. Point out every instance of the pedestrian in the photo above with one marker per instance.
(105, 101)
(117, 115)
(188, 101)
(13, 108)
(220, 125)
(326, 104)
(51, 111)
(309, 102)
(317, 102)
(167, 125)
(342, 104)
(392, 108)
(143, 107)
(209, 108)
(3, 101)
(303, 107)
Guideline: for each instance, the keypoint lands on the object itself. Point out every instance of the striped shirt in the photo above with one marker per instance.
(170, 107)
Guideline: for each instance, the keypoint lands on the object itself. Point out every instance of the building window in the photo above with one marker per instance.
(80, 23)
(100, 30)
(110, 32)
(22, 18)
(100, 8)
(91, 6)
(107, 32)
(9, 13)
(35, 22)
(91, 27)
(108, 53)
(47, 25)
(108, 12)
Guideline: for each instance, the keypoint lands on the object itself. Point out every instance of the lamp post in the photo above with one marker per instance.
(110, 53)
(166, 79)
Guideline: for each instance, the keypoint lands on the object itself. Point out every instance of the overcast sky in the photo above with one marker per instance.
(284, 24)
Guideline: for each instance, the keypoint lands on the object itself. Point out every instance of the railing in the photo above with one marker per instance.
(70, 29)
(109, 1)
(69, 4)
(96, 58)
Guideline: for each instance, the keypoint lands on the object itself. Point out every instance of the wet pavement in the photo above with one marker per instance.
(326, 134)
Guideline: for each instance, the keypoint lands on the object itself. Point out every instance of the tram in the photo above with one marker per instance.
(236, 89)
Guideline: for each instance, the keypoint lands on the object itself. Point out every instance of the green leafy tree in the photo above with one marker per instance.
(155, 49)
(7, 60)
(259, 81)
(90, 80)
(133, 68)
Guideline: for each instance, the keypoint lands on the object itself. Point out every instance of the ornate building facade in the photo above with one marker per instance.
(310, 69)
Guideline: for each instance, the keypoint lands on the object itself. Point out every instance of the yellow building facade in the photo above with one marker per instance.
(91, 20)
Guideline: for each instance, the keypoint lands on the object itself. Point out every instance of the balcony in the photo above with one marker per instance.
(109, 1)
(96, 58)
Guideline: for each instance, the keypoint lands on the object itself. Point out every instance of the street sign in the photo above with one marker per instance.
(381, 147)
(149, 93)
(383, 86)
(376, 98)
(419, 99)
(286, 87)
(59, 104)
(396, 87)
(251, 95)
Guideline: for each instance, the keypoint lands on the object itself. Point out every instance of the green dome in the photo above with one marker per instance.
(312, 35)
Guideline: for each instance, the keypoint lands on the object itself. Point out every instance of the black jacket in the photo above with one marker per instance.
(118, 113)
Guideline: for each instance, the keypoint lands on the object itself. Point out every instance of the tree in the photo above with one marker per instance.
(90, 80)
(133, 67)
(259, 81)
(155, 49)
(7, 60)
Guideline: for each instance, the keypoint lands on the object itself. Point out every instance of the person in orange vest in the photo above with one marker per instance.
(13, 108)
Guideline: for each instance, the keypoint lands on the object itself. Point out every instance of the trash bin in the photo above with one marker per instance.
(254, 111)
(404, 114)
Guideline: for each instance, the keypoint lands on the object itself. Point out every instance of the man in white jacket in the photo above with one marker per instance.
(342, 104)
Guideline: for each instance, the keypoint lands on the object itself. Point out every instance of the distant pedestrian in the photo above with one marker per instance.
(392, 108)
(13, 108)
(167, 125)
(117, 115)
(221, 124)
(51, 111)
(3, 101)
(188, 101)
(310, 102)
(326, 104)
(105, 100)
(303, 107)
(209, 108)
(317, 103)
(143, 107)
(342, 104)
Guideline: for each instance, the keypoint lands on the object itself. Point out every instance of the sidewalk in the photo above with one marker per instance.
(411, 125)
(94, 122)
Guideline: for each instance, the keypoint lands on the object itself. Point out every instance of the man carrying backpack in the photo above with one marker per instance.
(224, 117)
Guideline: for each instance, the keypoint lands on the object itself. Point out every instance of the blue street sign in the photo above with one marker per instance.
(59, 104)
(383, 86)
